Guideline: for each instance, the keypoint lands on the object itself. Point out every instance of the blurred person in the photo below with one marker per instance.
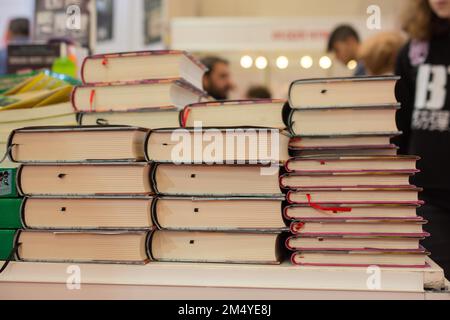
(344, 42)
(258, 92)
(379, 53)
(424, 65)
(217, 80)
(18, 32)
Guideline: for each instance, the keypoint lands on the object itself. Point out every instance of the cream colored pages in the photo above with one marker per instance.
(219, 214)
(214, 247)
(87, 213)
(85, 179)
(89, 247)
(216, 180)
(75, 146)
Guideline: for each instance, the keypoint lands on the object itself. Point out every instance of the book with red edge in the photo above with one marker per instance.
(412, 227)
(236, 113)
(351, 242)
(143, 65)
(170, 93)
(337, 179)
(363, 258)
(341, 142)
(352, 164)
(320, 199)
(350, 211)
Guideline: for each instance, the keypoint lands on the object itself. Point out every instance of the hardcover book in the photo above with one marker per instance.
(130, 179)
(133, 96)
(237, 113)
(216, 180)
(150, 119)
(216, 247)
(219, 214)
(343, 92)
(77, 144)
(83, 247)
(144, 65)
(218, 146)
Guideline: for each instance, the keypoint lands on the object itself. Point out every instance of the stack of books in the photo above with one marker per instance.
(114, 194)
(350, 199)
(87, 194)
(217, 182)
(142, 89)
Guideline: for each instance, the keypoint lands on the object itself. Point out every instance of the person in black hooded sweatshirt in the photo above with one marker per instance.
(424, 91)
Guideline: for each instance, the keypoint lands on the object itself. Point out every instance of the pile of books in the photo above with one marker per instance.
(350, 198)
(122, 194)
(114, 194)
(141, 89)
(155, 173)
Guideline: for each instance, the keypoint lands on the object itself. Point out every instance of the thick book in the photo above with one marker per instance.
(216, 180)
(218, 146)
(7, 243)
(341, 142)
(337, 179)
(412, 227)
(348, 211)
(130, 179)
(337, 122)
(343, 92)
(150, 119)
(319, 198)
(132, 96)
(217, 247)
(406, 164)
(77, 144)
(87, 213)
(362, 258)
(10, 213)
(8, 183)
(125, 247)
(351, 242)
(237, 113)
(219, 214)
(144, 65)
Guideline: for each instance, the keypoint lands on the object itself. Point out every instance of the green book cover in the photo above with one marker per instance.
(8, 188)
(6, 243)
(10, 212)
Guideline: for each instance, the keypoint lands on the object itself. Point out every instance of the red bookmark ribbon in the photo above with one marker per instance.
(327, 209)
(91, 100)
(186, 113)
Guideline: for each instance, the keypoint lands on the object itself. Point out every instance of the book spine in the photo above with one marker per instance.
(7, 238)
(10, 213)
(8, 185)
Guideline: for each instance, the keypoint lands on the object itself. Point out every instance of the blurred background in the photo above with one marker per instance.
(268, 43)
